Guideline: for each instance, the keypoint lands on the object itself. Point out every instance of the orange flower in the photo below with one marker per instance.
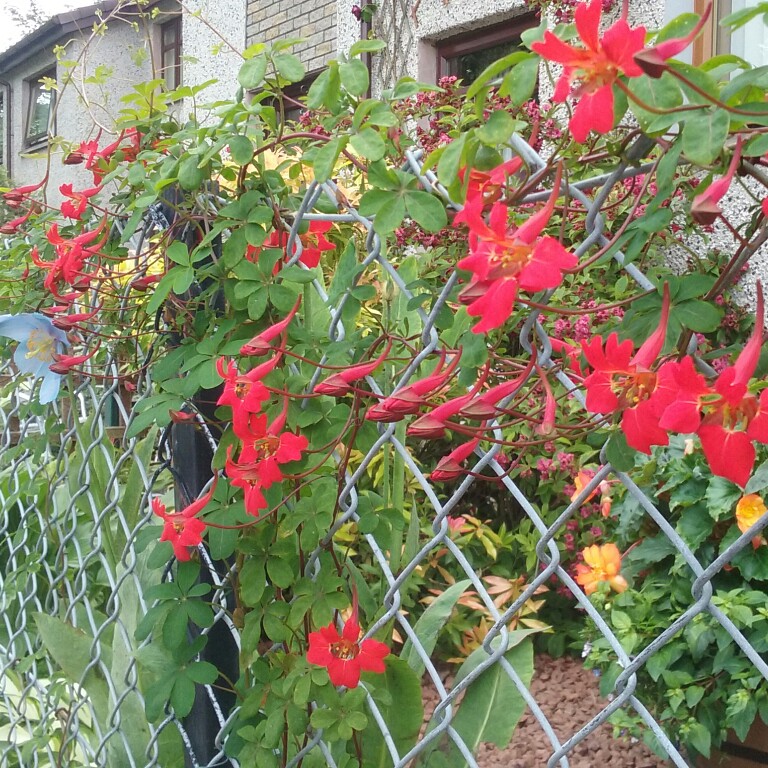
(748, 511)
(603, 563)
(580, 482)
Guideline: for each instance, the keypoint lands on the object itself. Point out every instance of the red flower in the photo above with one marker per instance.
(653, 61)
(432, 425)
(340, 383)
(726, 416)
(265, 448)
(310, 245)
(68, 322)
(248, 477)
(71, 256)
(12, 227)
(449, 467)
(595, 68)
(505, 258)
(183, 529)
(624, 382)
(65, 363)
(344, 655)
(96, 161)
(17, 195)
(412, 397)
(261, 343)
(244, 390)
(74, 207)
(705, 208)
(487, 187)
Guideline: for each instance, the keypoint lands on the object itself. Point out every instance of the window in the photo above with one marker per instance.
(468, 54)
(170, 53)
(750, 42)
(40, 100)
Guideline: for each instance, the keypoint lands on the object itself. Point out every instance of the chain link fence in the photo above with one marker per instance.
(74, 495)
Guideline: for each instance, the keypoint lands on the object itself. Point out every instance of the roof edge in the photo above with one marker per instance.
(51, 32)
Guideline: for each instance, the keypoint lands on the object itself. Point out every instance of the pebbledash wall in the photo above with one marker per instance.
(213, 36)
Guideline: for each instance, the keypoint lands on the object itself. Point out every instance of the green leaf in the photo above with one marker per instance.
(251, 74)
(492, 705)
(398, 695)
(704, 134)
(757, 146)
(178, 253)
(618, 453)
(369, 144)
(759, 480)
(660, 93)
(280, 572)
(326, 157)
(699, 738)
(390, 215)
(451, 160)
(430, 623)
(289, 66)
(497, 129)
(493, 71)
(160, 294)
(354, 77)
(520, 83)
(699, 316)
(744, 16)
(366, 46)
(426, 210)
(757, 78)
(190, 176)
(324, 91)
(241, 149)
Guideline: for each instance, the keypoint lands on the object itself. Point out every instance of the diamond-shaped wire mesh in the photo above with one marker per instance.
(74, 502)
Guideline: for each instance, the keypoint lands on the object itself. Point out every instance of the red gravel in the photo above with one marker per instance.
(569, 697)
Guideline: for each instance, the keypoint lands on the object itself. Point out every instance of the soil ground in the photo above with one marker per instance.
(569, 697)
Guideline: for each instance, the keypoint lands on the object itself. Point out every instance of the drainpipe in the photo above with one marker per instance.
(6, 139)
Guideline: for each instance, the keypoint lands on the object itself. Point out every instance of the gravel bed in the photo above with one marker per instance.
(569, 696)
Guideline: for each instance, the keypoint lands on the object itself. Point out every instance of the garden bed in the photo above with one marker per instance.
(568, 695)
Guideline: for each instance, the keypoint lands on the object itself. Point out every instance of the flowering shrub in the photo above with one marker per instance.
(232, 291)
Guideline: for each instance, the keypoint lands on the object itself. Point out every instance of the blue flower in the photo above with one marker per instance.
(39, 342)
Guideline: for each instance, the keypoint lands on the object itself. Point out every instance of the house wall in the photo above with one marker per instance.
(314, 20)
(82, 108)
(213, 36)
(212, 44)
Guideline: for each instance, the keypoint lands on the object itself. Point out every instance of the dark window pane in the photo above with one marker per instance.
(39, 108)
(170, 53)
(470, 65)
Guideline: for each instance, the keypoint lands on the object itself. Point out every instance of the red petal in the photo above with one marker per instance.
(587, 18)
(730, 454)
(346, 673)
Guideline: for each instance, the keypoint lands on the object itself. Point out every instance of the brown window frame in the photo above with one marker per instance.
(713, 40)
(480, 39)
(32, 86)
(5, 148)
(175, 71)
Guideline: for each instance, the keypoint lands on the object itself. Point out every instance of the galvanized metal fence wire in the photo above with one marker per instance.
(74, 503)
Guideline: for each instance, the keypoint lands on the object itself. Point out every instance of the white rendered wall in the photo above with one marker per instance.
(213, 36)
